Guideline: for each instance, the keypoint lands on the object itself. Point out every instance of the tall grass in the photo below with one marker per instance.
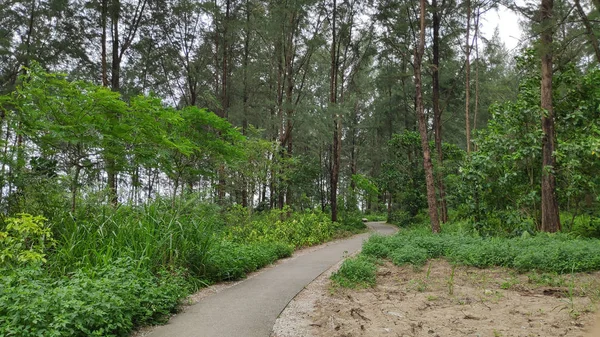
(156, 236)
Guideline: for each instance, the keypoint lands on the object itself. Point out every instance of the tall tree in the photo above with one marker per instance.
(468, 78)
(437, 112)
(337, 132)
(427, 164)
(550, 215)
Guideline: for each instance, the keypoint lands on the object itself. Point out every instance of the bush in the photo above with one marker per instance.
(351, 222)
(299, 229)
(583, 225)
(106, 301)
(230, 260)
(409, 254)
(356, 272)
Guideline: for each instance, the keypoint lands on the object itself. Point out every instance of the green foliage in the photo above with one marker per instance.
(230, 261)
(409, 254)
(298, 229)
(156, 235)
(351, 222)
(105, 301)
(585, 225)
(499, 187)
(25, 240)
(375, 216)
(549, 253)
(356, 272)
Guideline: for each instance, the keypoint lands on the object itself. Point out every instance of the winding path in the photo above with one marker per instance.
(250, 308)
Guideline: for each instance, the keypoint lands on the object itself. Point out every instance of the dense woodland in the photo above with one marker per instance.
(162, 135)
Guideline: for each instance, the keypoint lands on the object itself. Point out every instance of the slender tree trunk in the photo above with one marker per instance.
(103, 20)
(336, 148)
(468, 79)
(431, 199)
(289, 91)
(111, 167)
(588, 27)
(224, 95)
(476, 111)
(550, 213)
(245, 95)
(437, 113)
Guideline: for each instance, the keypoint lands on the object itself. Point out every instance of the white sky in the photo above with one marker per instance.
(508, 23)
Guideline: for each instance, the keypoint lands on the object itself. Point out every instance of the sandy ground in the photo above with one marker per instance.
(431, 302)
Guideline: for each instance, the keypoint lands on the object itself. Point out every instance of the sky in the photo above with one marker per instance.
(508, 23)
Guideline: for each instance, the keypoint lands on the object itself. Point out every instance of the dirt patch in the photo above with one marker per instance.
(441, 300)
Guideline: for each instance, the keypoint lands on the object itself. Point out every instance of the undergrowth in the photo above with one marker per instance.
(356, 272)
(102, 271)
(544, 252)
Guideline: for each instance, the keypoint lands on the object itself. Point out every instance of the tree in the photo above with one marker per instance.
(427, 164)
(550, 217)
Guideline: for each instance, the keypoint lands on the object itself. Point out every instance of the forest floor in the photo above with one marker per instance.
(438, 301)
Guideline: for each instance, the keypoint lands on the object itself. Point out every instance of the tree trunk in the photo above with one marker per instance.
(245, 95)
(476, 110)
(224, 111)
(467, 79)
(550, 215)
(437, 113)
(431, 200)
(111, 167)
(336, 148)
(103, 19)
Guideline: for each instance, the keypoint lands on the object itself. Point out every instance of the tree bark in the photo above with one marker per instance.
(336, 148)
(111, 169)
(245, 95)
(431, 200)
(467, 78)
(437, 113)
(224, 111)
(103, 19)
(550, 212)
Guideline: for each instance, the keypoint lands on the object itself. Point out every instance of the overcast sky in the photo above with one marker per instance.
(507, 22)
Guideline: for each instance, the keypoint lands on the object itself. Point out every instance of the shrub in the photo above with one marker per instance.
(409, 254)
(106, 301)
(351, 222)
(231, 260)
(299, 229)
(25, 240)
(356, 272)
(376, 247)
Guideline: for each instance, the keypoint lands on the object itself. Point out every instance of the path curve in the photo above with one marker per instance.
(250, 308)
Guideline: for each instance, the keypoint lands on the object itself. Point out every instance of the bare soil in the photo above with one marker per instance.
(440, 300)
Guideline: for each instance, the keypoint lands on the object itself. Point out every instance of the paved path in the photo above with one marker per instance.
(250, 308)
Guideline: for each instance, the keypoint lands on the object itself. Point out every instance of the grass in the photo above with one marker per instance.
(544, 252)
(356, 272)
